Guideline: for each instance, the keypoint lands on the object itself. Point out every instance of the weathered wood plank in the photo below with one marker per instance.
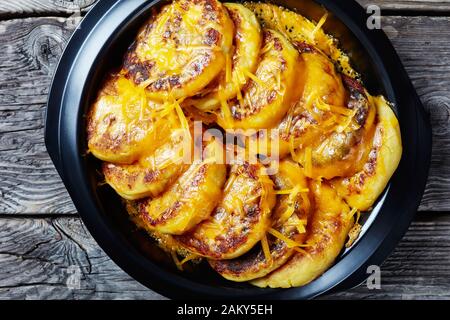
(419, 268)
(416, 5)
(39, 258)
(49, 7)
(43, 259)
(21, 8)
(422, 44)
(31, 48)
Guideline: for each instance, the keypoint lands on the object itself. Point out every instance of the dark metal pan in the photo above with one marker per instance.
(99, 44)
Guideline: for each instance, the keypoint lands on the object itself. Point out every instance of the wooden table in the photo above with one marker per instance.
(43, 243)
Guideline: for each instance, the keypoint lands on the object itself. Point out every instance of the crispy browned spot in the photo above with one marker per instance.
(212, 37)
(357, 99)
(166, 215)
(175, 208)
(304, 47)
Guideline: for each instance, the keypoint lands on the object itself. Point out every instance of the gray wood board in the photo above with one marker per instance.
(25, 8)
(16, 8)
(428, 6)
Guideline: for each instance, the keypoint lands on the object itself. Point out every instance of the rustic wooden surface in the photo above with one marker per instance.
(431, 7)
(43, 243)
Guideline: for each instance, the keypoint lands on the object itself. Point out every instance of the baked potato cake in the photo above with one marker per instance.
(190, 200)
(241, 218)
(149, 176)
(363, 189)
(287, 234)
(268, 94)
(120, 125)
(181, 50)
(242, 62)
(327, 232)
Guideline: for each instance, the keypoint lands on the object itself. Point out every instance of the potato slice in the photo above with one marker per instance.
(189, 201)
(362, 190)
(267, 96)
(321, 95)
(327, 232)
(289, 218)
(150, 176)
(343, 148)
(247, 43)
(320, 84)
(120, 125)
(180, 51)
(299, 29)
(240, 220)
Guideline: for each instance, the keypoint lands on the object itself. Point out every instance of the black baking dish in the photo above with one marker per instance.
(99, 44)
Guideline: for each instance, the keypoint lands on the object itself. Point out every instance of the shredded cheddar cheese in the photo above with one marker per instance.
(190, 257)
(266, 249)
(308, 162)
(289, 242)
(318, 27)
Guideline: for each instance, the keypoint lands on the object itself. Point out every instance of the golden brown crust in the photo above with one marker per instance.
(188, 202)
(245, 58)
(149, 176)
(267, 96)
(180, 50)
(119, 124)
(240, 219)
(362, 190)
(327, 232)
(255, 264)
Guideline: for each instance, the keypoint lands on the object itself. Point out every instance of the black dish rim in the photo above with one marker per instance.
(63, 134)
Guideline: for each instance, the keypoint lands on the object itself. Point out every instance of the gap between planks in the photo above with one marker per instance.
(23, 9)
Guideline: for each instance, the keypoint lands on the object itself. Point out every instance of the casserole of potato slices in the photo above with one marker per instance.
(240, 137)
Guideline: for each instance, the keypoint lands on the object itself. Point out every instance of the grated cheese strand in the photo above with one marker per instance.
(176, 260)
(190, 257)
(266, 249)
(308, 162)
(289, 242)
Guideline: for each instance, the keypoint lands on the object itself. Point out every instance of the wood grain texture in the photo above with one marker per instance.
(40, 257)
(416, 5)
(17, 8)
(23, 8)
(419, 268)
(30, 51)
(44, 258)
(422, 43)
(31, 48)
